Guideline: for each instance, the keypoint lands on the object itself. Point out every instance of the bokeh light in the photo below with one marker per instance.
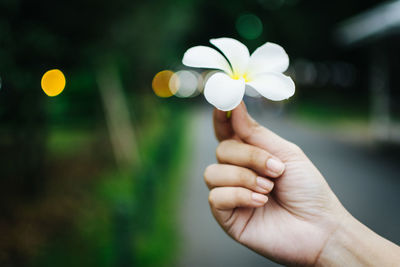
(331, 73)
(305, 71)
(207, 75)
(160, 83)
(185, 83)
(53, 82)
(249, 26)
(324, 74)
(1, 82)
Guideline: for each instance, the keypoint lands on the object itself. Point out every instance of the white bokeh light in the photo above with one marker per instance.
(185, 83)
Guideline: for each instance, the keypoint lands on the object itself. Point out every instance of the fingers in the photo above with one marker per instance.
(248, 156)
(221, 175)
(226, 198)
(242, 126)
(252, 133)
(222, 125)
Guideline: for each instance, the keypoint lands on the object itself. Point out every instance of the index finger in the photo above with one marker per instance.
(222, 125)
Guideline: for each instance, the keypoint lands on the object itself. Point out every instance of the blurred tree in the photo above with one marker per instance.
(80, 38)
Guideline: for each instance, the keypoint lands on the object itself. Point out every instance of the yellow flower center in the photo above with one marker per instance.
(236, 76)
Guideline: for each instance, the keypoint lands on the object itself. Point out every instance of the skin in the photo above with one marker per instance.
(284, 211)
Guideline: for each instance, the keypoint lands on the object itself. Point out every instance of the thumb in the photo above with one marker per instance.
(249, 131)
(222, 125)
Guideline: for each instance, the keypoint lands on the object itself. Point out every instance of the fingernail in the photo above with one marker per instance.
(265, 184)
(260, 199)
(275, 166)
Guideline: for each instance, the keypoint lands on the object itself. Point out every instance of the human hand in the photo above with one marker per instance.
(300, 214)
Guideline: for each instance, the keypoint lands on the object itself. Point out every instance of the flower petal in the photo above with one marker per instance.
(236, 52)
(273, 85)
(223, 92)
(269, 57)
(205, 57)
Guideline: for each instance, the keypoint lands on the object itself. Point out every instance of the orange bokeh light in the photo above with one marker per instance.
(160, 83)
(53, 82)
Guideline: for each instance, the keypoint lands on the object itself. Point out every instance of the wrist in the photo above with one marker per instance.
(354, 244)
(337, 246)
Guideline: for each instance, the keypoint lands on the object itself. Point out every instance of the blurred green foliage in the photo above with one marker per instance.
(65, 200)
(130, 219)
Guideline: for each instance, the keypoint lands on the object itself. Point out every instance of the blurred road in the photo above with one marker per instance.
(365, 180)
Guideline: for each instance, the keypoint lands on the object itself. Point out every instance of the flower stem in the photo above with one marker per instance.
(229, 114)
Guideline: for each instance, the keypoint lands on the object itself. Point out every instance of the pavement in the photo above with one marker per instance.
(364, 177)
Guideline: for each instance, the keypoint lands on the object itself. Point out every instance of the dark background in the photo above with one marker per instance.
(91, 177)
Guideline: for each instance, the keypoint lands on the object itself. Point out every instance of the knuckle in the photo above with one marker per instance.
(246, 177)
(240, 196)
(220, 150)
(255, 156)
(208, 173)
(237, 194)
(222, 147)
(211, 197)
(253, 128)
(296, 149)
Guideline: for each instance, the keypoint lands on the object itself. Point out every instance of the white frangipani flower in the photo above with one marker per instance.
(260, 73)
